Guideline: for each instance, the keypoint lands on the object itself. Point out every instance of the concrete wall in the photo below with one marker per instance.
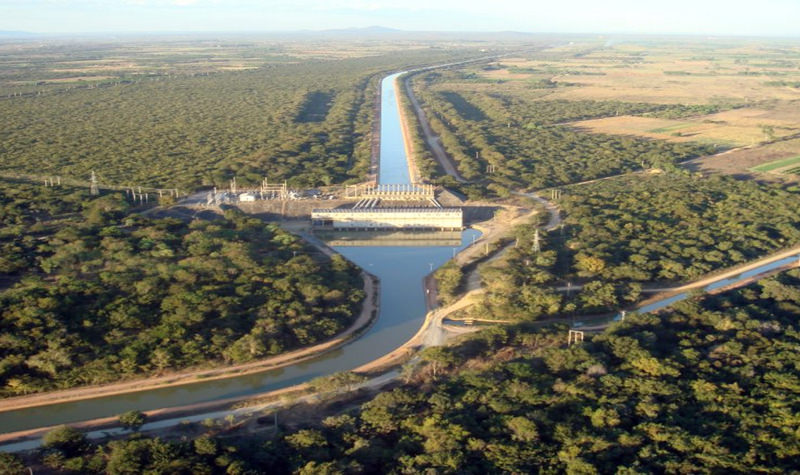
(389, 218)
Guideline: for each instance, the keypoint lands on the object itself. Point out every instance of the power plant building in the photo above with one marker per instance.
(389, 218)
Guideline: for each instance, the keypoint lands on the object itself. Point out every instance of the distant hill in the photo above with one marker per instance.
(368, 30)
(16, 34)
(382, 32)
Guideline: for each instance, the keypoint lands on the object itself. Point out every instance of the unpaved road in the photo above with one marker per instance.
(431, 139)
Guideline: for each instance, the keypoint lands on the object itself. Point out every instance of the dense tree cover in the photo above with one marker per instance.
(308, 122)
(91, 293)
(644, 230)
(189, 131)
(510, 140)
(710, 386)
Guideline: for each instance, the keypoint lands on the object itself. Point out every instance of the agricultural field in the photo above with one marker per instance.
(666, 72)
(34, 67)
(762, 162)
(787, 165)
(596, 108)
(732, 128)
(503, 140)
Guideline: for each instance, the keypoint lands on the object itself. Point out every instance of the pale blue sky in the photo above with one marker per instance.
(717, 17)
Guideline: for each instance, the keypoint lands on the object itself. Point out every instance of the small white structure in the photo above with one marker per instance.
(246, 197)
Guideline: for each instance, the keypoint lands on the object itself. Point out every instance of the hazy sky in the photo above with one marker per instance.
(720, 17)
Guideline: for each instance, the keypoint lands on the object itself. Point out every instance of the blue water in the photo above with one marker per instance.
(672, 299)
(393, 168)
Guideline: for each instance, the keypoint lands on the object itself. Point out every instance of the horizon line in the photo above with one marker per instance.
(376, 29)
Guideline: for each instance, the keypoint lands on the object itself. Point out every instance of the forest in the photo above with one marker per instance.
(628, 233)
(503, 140)
(91, 292)
(306, 121)
(709, 386)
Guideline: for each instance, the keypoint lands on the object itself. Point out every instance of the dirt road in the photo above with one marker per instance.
(430, 138)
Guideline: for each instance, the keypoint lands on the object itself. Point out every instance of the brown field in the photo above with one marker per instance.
(738, 127)
(668, 73)
(741, 161)
(656, 87)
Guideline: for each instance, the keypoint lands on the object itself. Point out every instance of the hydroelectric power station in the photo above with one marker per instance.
(419, 210)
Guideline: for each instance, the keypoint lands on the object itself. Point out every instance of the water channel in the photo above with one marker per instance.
(400, 269)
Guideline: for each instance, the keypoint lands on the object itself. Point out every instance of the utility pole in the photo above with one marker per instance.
(574, 336)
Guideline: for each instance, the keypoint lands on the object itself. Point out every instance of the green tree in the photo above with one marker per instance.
(439, 358)
(132, 419)
(339, 381)
(11, 464)
(67, 439)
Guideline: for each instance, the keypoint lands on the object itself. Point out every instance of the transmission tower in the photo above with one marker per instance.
(537, 245)
(94, 190)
